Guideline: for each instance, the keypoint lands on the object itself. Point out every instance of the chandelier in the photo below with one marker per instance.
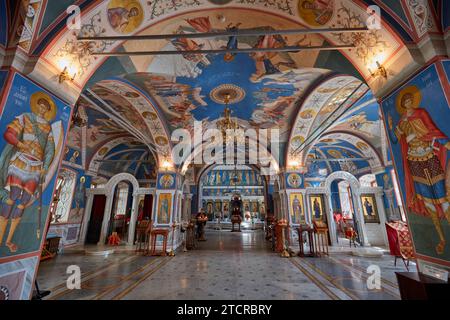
(227, 123)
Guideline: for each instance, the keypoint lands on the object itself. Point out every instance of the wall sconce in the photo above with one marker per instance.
(166, 165)
(381, 71)
(64, 76)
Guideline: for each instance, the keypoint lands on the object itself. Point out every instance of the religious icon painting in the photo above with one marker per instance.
(369, 206)
(317, 207)
(297, 214)
(166, 181)
(164, 208)
(416, 117)
(33, 128)
(294, 180)
(316, 12)
(209, 208)
(125, 16)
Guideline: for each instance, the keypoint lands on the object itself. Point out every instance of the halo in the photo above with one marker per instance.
(408, 90)
(35, 97)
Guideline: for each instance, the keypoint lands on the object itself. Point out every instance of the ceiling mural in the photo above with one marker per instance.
(339, 149)
(321, 109)
(118, 17)
(144, 98)
(131, 157)
(349, 146)
(364, 121)
(265, 103)
(95, 162)
(132, 106)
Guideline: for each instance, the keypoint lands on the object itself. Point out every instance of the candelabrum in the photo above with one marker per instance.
(172, 252)
(185, 226)
(283, 224)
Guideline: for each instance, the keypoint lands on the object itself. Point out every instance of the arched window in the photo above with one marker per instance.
(64, 194)
(122, 199)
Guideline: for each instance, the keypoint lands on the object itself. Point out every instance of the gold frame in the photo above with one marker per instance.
(320, 197)
(375, 217)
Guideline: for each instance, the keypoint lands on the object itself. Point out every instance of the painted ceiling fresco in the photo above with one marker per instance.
(321, 109)
(265, 103)
(151, 17)
(131, 157)
(147, 97)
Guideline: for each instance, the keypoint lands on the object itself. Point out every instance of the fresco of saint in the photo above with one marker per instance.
(24, 162)
(424, 149)
(368, 206)
(296, 210)
(164, 211)
(317, 210)
(124, 19)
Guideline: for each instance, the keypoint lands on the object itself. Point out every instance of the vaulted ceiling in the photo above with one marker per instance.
(322, 101)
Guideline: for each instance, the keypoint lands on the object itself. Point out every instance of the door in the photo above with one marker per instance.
(95, 223)
(148, 204)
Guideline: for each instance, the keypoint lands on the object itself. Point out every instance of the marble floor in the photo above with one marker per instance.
(227, 266)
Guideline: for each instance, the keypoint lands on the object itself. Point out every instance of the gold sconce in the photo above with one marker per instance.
(166, 165)
(381, 71)
(64, 76)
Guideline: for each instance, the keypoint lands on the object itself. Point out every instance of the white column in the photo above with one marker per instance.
(330, 219)
(106, 218)
(382, 215)
(132, 226)
(87, 217)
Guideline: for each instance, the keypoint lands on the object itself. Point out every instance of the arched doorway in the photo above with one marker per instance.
(219, 184)
(109, 201)
(367, 216)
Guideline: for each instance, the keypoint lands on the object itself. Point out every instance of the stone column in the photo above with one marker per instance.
(87, 216)
(132, 226)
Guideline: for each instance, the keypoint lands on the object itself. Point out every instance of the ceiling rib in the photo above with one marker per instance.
(226, 33)
(116, 117)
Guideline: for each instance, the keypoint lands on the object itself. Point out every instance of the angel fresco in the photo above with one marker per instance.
(424, 153)
(263, 62)
(24, 162)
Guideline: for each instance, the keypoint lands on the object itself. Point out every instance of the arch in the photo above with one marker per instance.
(109, 191)
(355, 187)
(318, 107)
(141, 106)
(273, 162)
(63, 38)
(365, 148)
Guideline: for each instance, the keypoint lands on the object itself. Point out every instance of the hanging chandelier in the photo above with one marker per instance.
(227, 125)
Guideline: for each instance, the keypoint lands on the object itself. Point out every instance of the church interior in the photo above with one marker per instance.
(224, 149)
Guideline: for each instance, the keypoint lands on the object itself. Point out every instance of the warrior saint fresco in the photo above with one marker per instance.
(424, 150)
(24, 162)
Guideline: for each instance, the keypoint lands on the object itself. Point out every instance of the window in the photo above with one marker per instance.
(122, 199)
(64, 193)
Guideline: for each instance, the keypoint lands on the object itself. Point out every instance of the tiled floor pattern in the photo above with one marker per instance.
(228, 265)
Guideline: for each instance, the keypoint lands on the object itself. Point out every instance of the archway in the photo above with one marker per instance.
(108, 191)
(369, 215)
(219, 184)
